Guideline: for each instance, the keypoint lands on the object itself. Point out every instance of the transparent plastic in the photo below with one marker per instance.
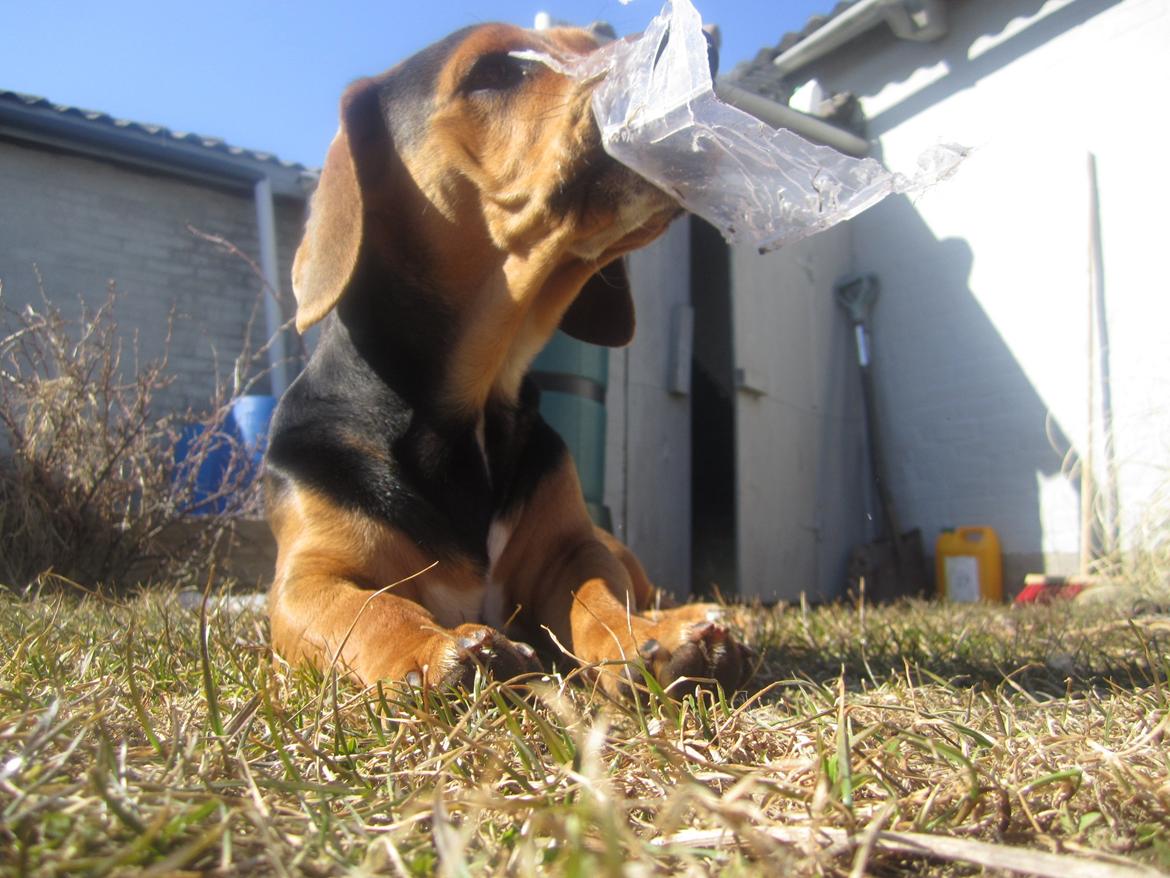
(767, 187)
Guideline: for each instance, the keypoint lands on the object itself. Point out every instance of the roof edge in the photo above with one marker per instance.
(99, 135)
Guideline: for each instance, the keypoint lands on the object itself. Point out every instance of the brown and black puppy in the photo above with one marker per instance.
(464, 212)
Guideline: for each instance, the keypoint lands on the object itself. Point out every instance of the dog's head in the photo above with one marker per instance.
(474, 172)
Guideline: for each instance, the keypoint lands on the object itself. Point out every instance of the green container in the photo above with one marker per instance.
(572, 377)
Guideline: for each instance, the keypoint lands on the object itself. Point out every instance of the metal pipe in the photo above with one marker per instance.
(273, 314)
(918, 20)
(779, 116)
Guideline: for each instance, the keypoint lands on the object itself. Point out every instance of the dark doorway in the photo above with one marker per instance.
(713, 540)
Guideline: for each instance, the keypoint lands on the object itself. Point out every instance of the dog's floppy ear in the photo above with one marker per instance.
(603, 312)
(328, 254)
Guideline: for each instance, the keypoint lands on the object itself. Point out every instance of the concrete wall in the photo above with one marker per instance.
(981, 334)
(648, 449)
(83, 223)
(800, 465)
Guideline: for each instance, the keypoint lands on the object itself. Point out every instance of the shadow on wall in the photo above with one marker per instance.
(966, 68)
(969, 439)
(713, 469)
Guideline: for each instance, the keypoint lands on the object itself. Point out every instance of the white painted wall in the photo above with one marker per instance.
(648, 430)
(799, 454)
(982, 330)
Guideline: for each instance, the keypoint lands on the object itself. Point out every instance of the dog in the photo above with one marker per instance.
(428, 521)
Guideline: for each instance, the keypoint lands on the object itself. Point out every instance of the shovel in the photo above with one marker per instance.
(894, 565)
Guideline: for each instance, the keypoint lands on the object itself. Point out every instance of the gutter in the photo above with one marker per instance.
(916, 20)
(273, 313)
(161, 154)
(781, 116)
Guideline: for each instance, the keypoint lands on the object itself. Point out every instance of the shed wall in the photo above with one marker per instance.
(648, 447)
(800, 466)
(82, 223)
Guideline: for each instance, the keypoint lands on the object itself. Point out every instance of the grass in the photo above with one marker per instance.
(138, 738)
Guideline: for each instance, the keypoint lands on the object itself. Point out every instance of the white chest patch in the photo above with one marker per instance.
(498, 535)
(496, 611)
(453, 606)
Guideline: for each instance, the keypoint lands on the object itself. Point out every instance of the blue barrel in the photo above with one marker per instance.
(244, 430)
(250, 418)
(572, 376)
(216, 457)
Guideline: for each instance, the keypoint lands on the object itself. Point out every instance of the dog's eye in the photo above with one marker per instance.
(498, 72)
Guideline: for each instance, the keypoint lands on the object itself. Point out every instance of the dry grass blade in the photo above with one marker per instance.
(934, 847)
(1012, 859)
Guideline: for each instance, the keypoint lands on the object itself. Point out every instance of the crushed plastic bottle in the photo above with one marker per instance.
(767, 187)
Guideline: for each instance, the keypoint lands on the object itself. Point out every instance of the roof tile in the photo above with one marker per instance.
(159, 131)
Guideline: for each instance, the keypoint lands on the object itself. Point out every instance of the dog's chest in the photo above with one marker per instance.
(479, 599)
(516, 451)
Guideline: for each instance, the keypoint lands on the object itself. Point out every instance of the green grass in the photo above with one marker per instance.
(917, 739)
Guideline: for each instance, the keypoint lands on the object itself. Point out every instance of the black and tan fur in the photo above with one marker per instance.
(464, 212)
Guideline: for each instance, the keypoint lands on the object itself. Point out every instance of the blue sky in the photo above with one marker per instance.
(266, 75)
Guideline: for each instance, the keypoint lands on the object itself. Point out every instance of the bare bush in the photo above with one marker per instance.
(90, 490)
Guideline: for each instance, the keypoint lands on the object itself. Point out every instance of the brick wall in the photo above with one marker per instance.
(83, 223)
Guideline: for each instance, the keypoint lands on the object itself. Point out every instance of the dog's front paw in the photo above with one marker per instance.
(459, 653)
(685, 649)
(687, 654)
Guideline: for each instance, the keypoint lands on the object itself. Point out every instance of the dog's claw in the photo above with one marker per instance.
(471, 641)
(708, 632)
(489, 651)
(707, 655)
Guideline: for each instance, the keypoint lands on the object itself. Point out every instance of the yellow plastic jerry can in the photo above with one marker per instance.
(969, 564)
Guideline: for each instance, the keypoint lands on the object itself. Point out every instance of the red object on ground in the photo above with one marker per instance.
(1042, 589)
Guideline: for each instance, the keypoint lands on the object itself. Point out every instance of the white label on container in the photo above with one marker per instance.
(962, 578)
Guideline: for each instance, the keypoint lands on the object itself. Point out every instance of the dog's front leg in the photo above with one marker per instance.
(379, 636)
(568, 579)
(357, 594)
(682, 648)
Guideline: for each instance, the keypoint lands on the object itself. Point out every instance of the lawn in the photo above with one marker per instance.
(918, 739)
